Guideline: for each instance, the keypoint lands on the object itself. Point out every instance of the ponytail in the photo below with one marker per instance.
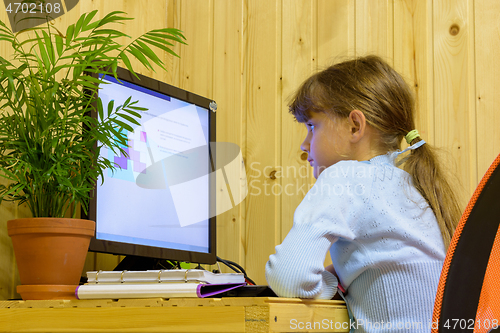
(429, 179)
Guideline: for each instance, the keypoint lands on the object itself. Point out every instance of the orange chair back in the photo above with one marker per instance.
(468, 296)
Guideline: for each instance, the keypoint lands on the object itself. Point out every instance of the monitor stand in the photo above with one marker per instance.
(138, 263)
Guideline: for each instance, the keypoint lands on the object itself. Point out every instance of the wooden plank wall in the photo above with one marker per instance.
(250, 55)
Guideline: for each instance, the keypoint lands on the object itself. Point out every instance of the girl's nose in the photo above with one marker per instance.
(305, 145)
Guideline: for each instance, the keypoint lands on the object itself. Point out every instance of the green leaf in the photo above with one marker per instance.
(149, 53)
(114, 67)
(112, 17)
(59, 45)
(87, 20)
(133, 113)
(8, 38)
(43, 52)
(69, 34)
(111, 107)
(57, 69)
(91, 26)
(150, 38)
(89, 78)
(110, 32)
(138, 108)
(79, 24)
(100, 111)
(162, 47)
(167, 34)
(128, 118)
(137, 53)
(55, 88)
(5, 26)
(169, 50)
(100, 107)
(49, 46)
(14, 189)
(127, 63)
(77, 72)
(127, 102)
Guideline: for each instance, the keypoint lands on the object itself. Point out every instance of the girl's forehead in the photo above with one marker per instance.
(311, 115)
(322, 117)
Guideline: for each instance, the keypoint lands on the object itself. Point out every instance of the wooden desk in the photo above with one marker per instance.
(242, 314)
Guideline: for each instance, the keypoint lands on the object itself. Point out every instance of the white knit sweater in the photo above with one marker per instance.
(384, 241)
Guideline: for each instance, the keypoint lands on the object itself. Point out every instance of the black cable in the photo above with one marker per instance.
(235, 264)
(232, 265)
(225, 262)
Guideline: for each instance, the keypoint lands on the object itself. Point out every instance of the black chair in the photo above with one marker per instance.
(468, 296)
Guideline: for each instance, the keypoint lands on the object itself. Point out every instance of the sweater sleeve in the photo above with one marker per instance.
(296, 269)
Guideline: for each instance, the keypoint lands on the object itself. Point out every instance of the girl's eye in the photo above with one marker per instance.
(311, 126)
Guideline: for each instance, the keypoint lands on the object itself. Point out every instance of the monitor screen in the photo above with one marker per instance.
(157, 202)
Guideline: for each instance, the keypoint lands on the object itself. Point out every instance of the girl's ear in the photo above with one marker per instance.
(357, 125)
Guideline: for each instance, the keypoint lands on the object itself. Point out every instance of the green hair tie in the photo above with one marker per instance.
(412, 135)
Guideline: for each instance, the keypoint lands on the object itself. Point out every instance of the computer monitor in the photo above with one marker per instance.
(144, 209)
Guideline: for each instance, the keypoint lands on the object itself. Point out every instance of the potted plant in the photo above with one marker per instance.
(49, 143)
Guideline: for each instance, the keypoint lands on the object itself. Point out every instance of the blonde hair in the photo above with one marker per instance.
(370, 85)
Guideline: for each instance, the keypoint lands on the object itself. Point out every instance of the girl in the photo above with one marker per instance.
(387, 228)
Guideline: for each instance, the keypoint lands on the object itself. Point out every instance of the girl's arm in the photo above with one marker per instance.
(296, 269)
(325, 215)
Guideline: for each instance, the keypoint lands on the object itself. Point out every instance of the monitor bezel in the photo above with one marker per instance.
(136, 250)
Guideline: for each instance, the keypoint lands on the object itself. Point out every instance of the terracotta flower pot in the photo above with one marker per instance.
(50, 251)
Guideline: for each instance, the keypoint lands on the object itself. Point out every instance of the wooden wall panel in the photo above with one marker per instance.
(454, 86)
(424, 68)
(413, 58)
(173, 19)
(262, 70)
(195, 63)
(487, 98)
(336, 30)
(9, 277)
(298, 62)
(8, 211)
(229, 24)
(374, 28)
(404, 34)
